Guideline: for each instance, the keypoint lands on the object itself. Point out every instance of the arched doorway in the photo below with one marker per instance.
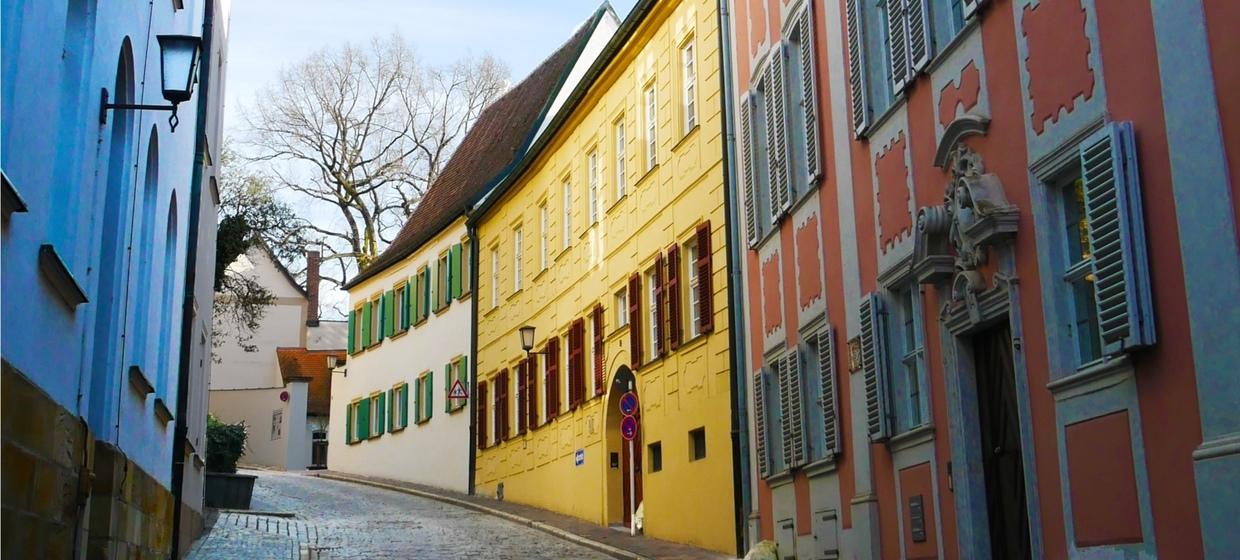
(624, 469)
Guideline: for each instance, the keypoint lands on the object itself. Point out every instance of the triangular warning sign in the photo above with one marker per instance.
(457, 391)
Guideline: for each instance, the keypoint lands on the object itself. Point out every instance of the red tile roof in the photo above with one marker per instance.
(497, 139)
(298, 364)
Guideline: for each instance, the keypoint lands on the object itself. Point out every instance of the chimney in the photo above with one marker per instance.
(312, 288)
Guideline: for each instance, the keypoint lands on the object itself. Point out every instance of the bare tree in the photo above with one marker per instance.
(362, 133)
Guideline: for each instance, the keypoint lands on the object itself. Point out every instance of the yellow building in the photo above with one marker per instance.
(608, 239)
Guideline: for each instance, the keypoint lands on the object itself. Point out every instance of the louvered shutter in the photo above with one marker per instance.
(748, 169)
(660, 311)
(599, 361)
(531, 399)
(793, 417)
(383, 424)
(409, 303)
(856, 68)
(809, 93)
(1117, 239)
(433, 278)
(389, 313)
(366, 322)
(503, 417)
(970, 7)
(457, 270)
(553, 378)
(522, 390)
(348, 423)
(706, 281)
(759, 423)
(826, 366)
(897, 44)
(352, 331)
(415, 299)
(428, 284)
(635, 320)
(481, 428)
(675, 327)
(447, 386)
(576, 368)
(404, 404)
(920, 45)
(363, 418)
(777, 134)
(874, 367)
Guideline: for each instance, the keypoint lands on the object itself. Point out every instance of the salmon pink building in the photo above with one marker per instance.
(991, 272)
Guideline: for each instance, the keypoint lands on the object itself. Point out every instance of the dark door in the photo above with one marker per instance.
(1000, 439)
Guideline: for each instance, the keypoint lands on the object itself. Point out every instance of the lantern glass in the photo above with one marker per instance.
(179, 60)
(527, 338)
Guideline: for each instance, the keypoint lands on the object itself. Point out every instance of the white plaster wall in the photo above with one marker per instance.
(254, 407)
(329, 335)
(298, 439)
(436, 452)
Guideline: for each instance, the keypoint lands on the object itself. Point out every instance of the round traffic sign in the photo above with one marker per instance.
(628, 403)
(628, 428)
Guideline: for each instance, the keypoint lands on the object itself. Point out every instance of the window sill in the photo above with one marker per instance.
(616, 203)
(398, 430)
(541, 273)
(422, 421)
(911, 438)
(780, 478)
(820, 467)
(691, 343)
(684, 139)
(617, 332)
(464, 296)
(456, 410)
(1092, 377)
(490, 311)
(397, 335)
(649, 171)
(514, 294)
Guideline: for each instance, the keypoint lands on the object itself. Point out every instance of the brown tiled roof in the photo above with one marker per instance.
(311, 365)
(496, 140)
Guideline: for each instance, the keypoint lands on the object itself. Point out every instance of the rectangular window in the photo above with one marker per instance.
(689, 102)
(567, 219)
(442, 282)
(652, 123)
(592, 176)
(906, 351)
(359, 342)
(399, 308)
(376, 320)
(425, 398)
(494, 278)
(655, 452)
(695, 303)
(621, 186)
(543, 231)
(355, 421)
(1078, 267)
(467, 267)
(376, 415)
(697, 444)
(622, 308)
(652, 315)
(516, 259)
(397, 405)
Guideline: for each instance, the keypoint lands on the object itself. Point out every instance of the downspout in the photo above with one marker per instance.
(191, 276)
(736, 348)
(473, 350)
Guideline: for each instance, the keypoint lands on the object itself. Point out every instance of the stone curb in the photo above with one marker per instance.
(285, 514)
(549, 529)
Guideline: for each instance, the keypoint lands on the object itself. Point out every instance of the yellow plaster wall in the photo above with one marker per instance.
(688, 501)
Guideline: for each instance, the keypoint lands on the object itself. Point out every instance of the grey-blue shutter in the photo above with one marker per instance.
(759, 422)
(748, 169)
(809, 93)
(826, 365)
(874, 367)
(897, 44)
(856, 69)
(1117, 239)
(792, 417)
(777, 133)
(920, 41)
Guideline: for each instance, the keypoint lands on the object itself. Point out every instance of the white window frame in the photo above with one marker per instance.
(651, 103)
(398, 307)
(359, 338)
(689, 76)
(396, 407)
(376, 318)
(375, 429)
(567, 219)
(442, 285)
(593, 181)
(652, 316)
(517, 242)
(621, 300)
(544, 224)
(621, 186)
(694, 315)
(355, 411)
(494, 277)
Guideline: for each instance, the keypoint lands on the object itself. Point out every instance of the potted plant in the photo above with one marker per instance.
(224, 487)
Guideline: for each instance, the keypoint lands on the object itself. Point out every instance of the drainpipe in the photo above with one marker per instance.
(473, 351)
(191, 276)
(736, 348)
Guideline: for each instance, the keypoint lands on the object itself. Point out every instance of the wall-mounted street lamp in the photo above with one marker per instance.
(178, 60)
(527, 340)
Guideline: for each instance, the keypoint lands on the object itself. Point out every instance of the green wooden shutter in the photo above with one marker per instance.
(457, 270)
(389, 313)
(416, 297)
(348, 423)
(434, 280)
(352, 330)
(447, 387)
(383, 423)
(1117, 239)
(430, 396)
(874, 367)
(404, 404)
(407, 318)
(366, 322)
(463, 376)
(382, 311)
(363, 418)
(426, 292)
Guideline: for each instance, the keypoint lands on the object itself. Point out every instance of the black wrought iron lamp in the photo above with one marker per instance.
(527, 340)
(178, 60)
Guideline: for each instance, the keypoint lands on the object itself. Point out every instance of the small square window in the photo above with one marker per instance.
(655, 452)
(697, 444)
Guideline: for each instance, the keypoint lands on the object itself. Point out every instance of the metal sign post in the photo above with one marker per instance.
(632, 493)
(628, 430)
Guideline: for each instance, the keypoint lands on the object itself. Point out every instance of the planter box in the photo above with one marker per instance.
(231, 491)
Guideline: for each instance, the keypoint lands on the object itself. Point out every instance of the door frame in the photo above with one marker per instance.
(611, 419)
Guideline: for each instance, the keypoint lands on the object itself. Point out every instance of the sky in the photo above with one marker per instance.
(268, 35)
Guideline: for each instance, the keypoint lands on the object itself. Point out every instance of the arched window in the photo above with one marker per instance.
(143, 264)
(169, 314)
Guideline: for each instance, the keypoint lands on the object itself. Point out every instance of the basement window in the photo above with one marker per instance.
(655, 452)
(697, 444)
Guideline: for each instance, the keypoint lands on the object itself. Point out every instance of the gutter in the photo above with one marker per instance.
(473, 355)
(191, 276)
(736, 348)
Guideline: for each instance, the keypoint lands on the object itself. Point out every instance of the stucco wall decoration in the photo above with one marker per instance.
(891, 168)
(1057, 61)
(961, 95)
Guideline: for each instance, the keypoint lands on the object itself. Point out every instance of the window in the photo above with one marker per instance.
(896, 323)
(516, 259)
(543, 232)
(376, 415)
(400, 402)
(401, 307)
(621, 186)
(494, 277)
(360, 329)
(454, 371)
(768, 419)
(425, 397)
(695, 302)
(592, 175)
(567, 218)
(1078, 266)
(355, 418)
(467, 268)
(443, 294)
(697, 444)
(689, 102)
(376, 320)
(652, 124)
(818, 386)
(622, 308)
(655, 452)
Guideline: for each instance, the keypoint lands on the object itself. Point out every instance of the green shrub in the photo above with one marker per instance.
(225, 444)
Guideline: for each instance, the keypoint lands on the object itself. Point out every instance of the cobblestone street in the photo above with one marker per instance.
(340, 520)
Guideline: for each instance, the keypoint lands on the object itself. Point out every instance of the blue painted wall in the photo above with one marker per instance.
(109, 198)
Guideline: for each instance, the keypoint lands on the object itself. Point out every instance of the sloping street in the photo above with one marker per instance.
(339, 520)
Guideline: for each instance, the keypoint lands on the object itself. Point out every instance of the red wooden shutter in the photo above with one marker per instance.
(522, 393)
(502, 410)
(706, 307)
(674, 329)
(531, 384)
(635, 320)
(553, 378)
(576, 365)
(599, 374)
(660, 298)
(481, 428)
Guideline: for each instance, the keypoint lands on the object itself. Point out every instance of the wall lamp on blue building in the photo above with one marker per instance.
(178, 59)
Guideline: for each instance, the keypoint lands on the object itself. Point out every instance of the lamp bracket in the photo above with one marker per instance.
(104, 106)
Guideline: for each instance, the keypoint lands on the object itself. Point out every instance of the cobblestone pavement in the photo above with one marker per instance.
(341, 520)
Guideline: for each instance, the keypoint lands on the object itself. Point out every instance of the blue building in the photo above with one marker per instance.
(108, 258)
